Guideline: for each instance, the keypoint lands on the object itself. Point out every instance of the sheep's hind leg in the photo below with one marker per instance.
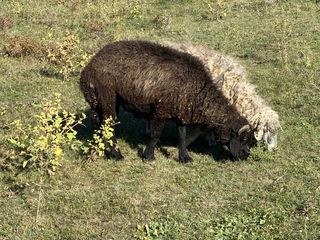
(183, 153)
(156, 127)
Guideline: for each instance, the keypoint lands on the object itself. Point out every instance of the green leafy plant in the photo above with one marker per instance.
(41, 146)
(68, 56)
(152, 231)
(97, 146)
(239, 226)
(136, 9)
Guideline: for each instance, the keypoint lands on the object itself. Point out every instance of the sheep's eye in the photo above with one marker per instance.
(244, 139)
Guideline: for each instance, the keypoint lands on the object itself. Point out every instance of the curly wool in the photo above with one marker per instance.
(230, 77)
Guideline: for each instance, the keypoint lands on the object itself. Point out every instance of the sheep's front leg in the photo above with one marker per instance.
(183, 153)
(156, 127)
(114, 150)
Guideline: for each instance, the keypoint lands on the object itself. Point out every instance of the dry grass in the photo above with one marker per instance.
(21, 46)
(5, 23)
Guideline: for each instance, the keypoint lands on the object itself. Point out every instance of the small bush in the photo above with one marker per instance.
(68, 56)
(41, 146)
(20, 46)
(97, 146)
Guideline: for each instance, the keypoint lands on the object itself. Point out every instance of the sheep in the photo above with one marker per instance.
(161, 83)
(230, 77)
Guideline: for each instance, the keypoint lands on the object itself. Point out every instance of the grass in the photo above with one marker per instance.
(269, 196)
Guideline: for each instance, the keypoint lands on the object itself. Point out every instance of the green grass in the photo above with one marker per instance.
(269, 196)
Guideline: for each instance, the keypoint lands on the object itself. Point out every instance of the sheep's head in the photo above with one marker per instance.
(240, 141)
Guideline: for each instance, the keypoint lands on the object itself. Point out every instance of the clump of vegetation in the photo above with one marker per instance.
(94, 26)
(216, 11)
(68, 56)
(41, 146)
(239, 226)
(5, 22)
(20, 46)
(97, 146)
(162, 21)
(136, 9)
(155, 230)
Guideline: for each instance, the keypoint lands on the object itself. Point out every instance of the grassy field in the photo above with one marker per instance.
(269, 196)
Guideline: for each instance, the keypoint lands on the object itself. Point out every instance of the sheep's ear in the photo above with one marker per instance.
(258, 135)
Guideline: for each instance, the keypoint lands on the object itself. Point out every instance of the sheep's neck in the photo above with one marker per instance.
(218, 113)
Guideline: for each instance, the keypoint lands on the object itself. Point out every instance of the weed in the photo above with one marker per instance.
(136, 10)
(215, 10)
(101, 137)
(162, 21)
(94, 26)
(154, 230)
(239, 226)
(68, 56)
(285, 28)
(41, 146)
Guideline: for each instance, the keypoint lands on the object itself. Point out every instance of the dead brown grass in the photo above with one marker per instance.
(20, 46)
(5, 23)
(94, 26)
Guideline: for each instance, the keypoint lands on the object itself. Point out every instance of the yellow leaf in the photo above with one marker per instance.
(58, 151)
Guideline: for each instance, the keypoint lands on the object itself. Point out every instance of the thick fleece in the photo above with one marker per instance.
(159, 83)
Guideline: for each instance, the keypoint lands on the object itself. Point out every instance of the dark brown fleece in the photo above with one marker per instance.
(159, 82)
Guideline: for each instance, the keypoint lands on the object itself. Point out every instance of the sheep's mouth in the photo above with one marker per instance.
(243, 154)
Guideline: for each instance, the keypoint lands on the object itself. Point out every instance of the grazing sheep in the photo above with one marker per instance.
(230, 77)
(161, 83)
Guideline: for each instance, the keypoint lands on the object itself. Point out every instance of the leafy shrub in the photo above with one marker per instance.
(68, 56)
(41, 146)
(96, 147)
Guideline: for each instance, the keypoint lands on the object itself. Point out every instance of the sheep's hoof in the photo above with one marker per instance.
(185, 159)
(148, 156)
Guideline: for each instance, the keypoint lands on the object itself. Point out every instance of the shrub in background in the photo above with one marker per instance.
(21, 46)
(68, 56)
